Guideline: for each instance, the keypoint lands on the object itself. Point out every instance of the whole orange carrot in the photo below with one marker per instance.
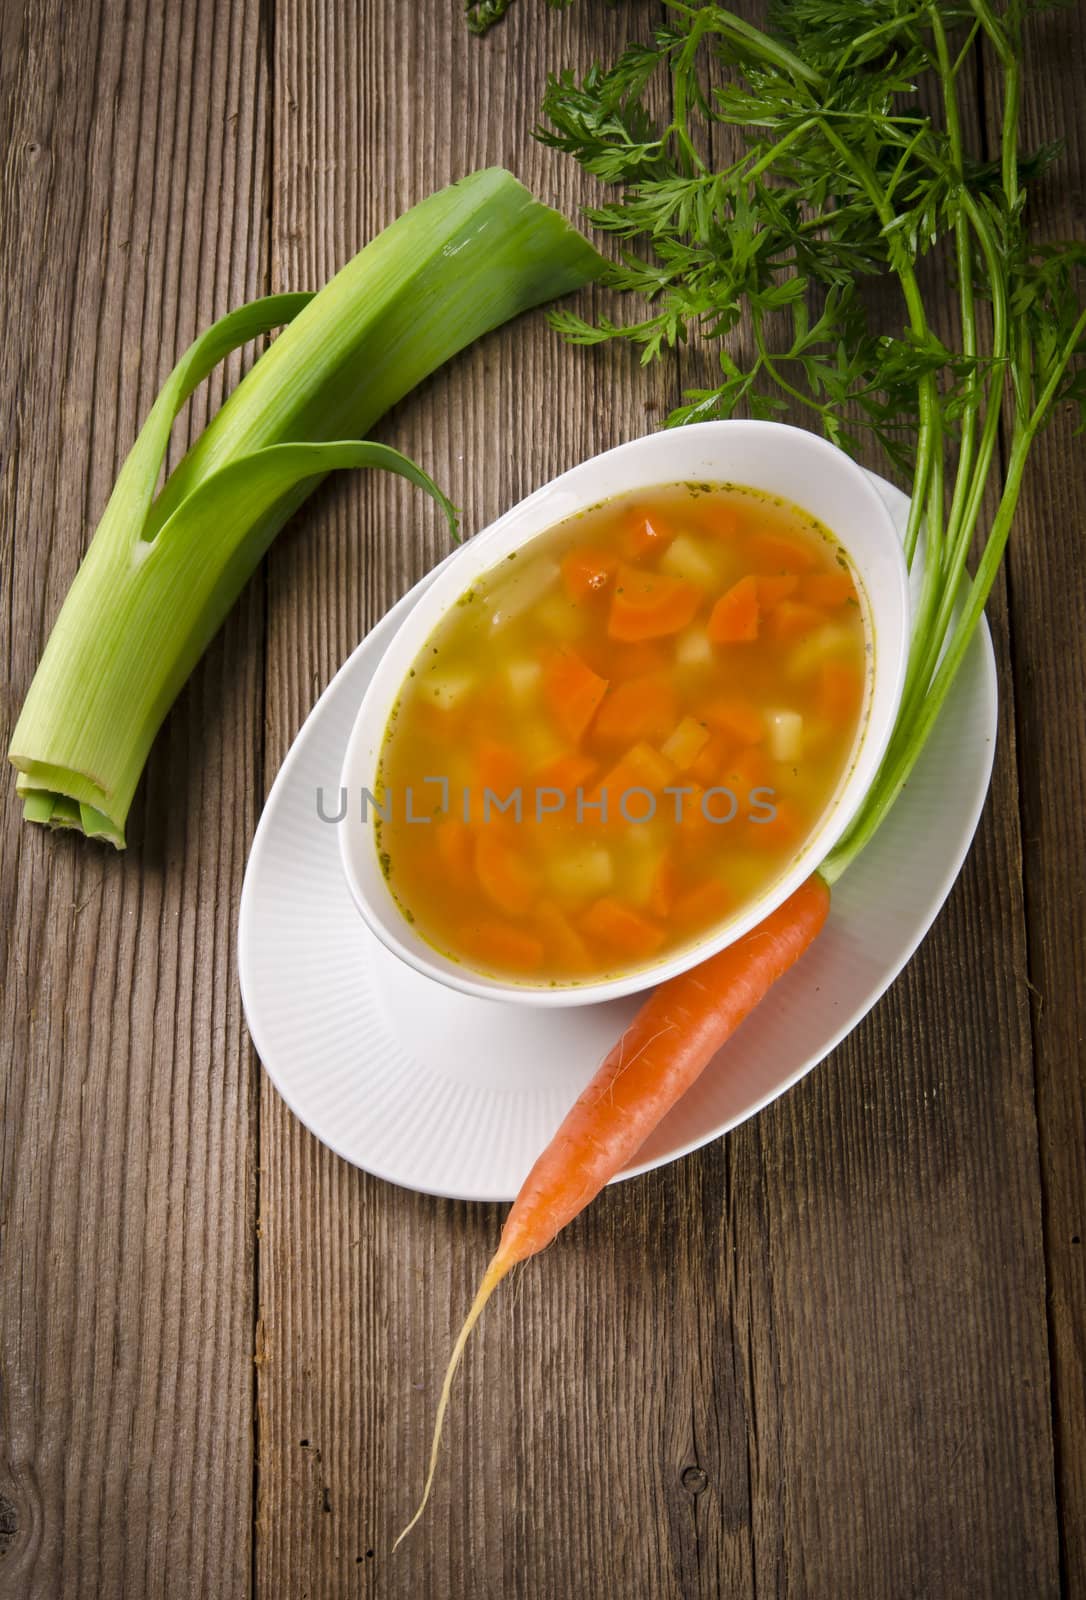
(667, 1046)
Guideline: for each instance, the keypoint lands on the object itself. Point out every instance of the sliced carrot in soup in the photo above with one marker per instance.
(737, 715)
(735, 617)
(641, 767)
(635, 660)
(707, 768)
(749, 769)
(506, 878)
(587, 572)
(565, 947)
(650, 605)
(780, 831)
(772, 553)
(707, 903)
(499, 945)
(772, 590)
(686, 814)
(646, 534)
(665, 886)
(572, 692)
(620, 928)
(567, 772)
(455, 846)
(794, 619)
(500, 767)
(616, 662)
(641, 708)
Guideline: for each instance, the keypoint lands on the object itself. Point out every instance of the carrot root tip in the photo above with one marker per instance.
(494, 1274)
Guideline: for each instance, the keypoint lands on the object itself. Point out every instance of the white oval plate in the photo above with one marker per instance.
(456, 1096)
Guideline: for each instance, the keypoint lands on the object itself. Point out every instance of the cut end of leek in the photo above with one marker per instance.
(52, 808)
(161, 574)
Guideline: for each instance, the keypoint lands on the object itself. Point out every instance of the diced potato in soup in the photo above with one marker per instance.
(623, 733)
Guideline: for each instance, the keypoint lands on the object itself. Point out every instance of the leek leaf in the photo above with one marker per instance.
(161, 573)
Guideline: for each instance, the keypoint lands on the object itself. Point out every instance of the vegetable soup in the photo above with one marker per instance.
(622, 733)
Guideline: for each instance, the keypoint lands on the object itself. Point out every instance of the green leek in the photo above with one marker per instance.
(161, 574)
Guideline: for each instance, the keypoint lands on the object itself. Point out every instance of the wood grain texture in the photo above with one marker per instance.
(809, 1360)
(126, 1166)
(1048, 600)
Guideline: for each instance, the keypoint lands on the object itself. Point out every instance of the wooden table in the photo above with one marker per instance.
(838, 1354)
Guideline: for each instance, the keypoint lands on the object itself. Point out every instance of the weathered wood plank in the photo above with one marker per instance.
(1048, 600)
(133, 212)
(809, 1360)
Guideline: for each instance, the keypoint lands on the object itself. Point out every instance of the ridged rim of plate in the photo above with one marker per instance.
(462, 1109)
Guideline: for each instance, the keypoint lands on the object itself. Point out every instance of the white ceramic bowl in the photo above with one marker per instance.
(789, 462)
